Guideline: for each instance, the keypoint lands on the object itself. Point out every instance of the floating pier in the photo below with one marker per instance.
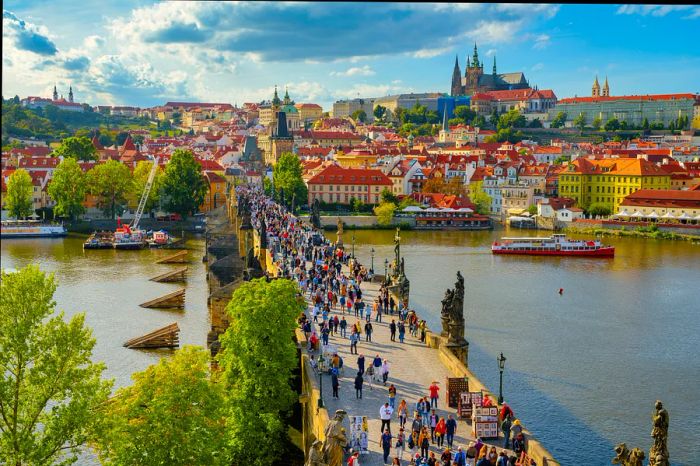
(165, 337)
(179, 257)
(169, 277)
(176, 299)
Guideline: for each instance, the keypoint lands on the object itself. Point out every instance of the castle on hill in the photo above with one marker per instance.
(474, 79)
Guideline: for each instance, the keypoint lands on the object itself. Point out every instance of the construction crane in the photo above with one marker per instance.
(144, 196)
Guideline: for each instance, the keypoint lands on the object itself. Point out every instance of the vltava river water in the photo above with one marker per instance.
(583, 369)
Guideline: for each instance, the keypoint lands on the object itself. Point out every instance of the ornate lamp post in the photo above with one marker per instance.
(320, 380)
(501, 365)
(386, 270)
(371, 269)
(353, 245)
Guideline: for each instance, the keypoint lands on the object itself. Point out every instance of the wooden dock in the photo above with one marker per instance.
(164, 337)
(179, 257)
(176, 299)
(173, 276)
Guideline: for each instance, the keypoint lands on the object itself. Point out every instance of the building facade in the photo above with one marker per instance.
(335, 184)
(474, 79)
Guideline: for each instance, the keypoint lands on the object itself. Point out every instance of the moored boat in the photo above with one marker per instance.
(100, 240)
(555, 245)
(31, 229)
(126, 238)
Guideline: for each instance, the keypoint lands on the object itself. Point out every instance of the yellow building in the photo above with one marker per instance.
(355, 159)
(308, 113)
(609, 181)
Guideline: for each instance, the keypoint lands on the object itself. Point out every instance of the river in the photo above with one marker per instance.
(583, 368)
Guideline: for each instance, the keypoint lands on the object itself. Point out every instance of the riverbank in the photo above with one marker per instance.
(636, 232)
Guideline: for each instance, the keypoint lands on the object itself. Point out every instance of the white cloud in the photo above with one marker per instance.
(494, 32)
(430, 53)
(491, 52)
(355, 71)
(541, 41)
(537, 66)
(659, 10)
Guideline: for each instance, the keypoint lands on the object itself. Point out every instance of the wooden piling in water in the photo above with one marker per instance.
(164, 337)
(173, 276)
(176, 299)
(179, 257)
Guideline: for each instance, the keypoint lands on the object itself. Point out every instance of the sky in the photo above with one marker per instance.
(144, 53)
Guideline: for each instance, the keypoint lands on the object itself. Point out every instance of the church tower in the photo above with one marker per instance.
(494, 66)
(70, 94)
(606, 88)
(473, 74)
(456, 88)
(287, 100)
(275, 100)
(55, 93)
(596, 88)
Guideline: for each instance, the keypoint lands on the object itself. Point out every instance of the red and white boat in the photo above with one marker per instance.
(555, 245)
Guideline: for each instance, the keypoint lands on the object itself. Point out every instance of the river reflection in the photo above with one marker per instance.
(583, 368)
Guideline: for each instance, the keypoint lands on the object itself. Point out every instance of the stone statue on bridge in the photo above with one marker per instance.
(397, 252)
(336, 440)
(452, 315)
(627, 457)
(446, 312)
(263, 232)
(315, 457)
(339, 234)
(658, 453)
(316, 215)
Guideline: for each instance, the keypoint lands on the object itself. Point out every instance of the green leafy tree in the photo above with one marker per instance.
(388, 196)
(559, 120)
(478, 121)
(287, 176)
(110, 182)
(493, 119)
(379, 112)
(580, 121)
(598, 209)
(561, 159)
(184, 185)
(20, 188)
(597, 123)
(464, 113)
(360, 115)
(511, 119)
(50, 389)
(645, 124)
(141, 172)
(482, 202)
(258, 358)
(80, 148)
(173, 414)
(532, 210)
(67, 188)
(385, 213)
(535, 123)
(357, 205)
(612, 124)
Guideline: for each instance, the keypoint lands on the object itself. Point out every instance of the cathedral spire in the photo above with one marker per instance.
(276, 98)
(456, 88)
(287, 100)
(475, 59)
(606, 88)
(596, 88)
(70, 94)
(55, 93)
(445, 124)
(494, 65)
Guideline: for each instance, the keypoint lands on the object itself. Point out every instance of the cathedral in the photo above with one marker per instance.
(474, 79)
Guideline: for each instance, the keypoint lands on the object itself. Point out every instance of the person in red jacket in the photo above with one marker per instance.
(506, 411)
(440, 431)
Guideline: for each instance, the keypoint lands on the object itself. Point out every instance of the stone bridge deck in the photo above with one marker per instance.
(412, 368)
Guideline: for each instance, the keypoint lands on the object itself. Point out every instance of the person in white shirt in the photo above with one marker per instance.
(385, 413)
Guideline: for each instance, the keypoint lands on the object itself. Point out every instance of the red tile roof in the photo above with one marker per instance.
(335, 174)
(652, 97)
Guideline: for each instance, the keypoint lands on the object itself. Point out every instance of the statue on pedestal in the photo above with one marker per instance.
(315, 215)
(397, 251)
(339, 234)
(626, 457)
(457, 312)
(336, 440)
(263, 233)
(446, 311)
(658, 453)
(315, 457)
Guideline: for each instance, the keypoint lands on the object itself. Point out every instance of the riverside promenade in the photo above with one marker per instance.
(413, 367)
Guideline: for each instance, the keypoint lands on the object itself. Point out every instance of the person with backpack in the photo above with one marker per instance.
(400, 443)
(370, 375)
(460, 458)
(392, 396)
(505, 428)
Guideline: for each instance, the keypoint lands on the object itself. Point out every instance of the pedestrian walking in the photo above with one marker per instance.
(440, 431)
(505, 428)
(343, 326)
(450, 430)
(354, 337)
(392, 396)
(368, 331)
(392, 330)
(358, 385)
(402, 331)
(361, 364)
(402, 413)
(385, 371)
(424, 441)
(385, 413)
(434, 394)
(400, 444)
(370, 375)
(385, 442)
(335, 383)
(432, 423)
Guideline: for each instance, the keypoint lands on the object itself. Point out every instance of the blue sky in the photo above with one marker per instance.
(144, 53)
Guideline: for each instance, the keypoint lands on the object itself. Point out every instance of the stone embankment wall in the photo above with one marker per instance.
(617, 225)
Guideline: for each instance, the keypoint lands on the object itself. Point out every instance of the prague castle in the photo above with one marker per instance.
(474, 79)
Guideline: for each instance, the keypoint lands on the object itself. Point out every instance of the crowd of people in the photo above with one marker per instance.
(335, 297)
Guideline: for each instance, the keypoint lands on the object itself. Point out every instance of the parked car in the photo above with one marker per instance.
(169, 218)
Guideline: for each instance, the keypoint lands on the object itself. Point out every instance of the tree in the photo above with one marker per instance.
(455, 186)
(360, 115)
(535, 123)
(511, 119)
(287, 176)
(623, 125)
(67, 188)
(645, 124)
(258, 358)
(141, 173)
(482, 202)
(597, 123)
(561, 159)
(478, 121)
(580, 121)
(559, 120)
(80, 148)
(434, 185)
(184, 186)
(357, 205)
(49, 387)
(532, 210)
(493, 119)
(173, 414)
(379, 112)
(110, 182)
(464, 113)
(598, 209)
(612, 125)
(385, 213)
(19, 200)
(388, 196)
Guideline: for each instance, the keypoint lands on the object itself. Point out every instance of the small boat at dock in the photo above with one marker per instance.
(100, 240)
(31, 229)
(555, 245)
(126, 238)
